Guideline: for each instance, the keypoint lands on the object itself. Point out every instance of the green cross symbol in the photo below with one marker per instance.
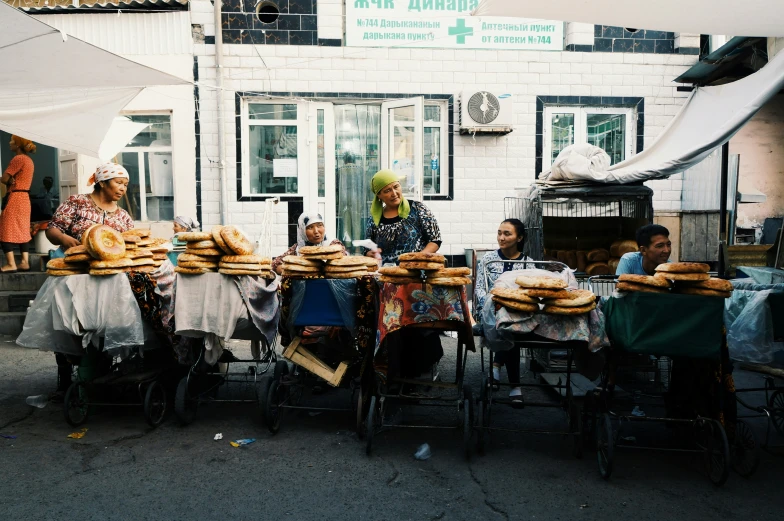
(461, 31)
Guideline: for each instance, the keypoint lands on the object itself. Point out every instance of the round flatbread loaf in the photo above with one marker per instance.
(713, 284)
(324, 256)
(560, 310)
(420, 256)
(105, 243)
(301, 269)
(598, 255)
(683, 267)
(143, 261)
(131, 246)
(77, 259)
(372, 268)
(228, 271)
(191, 271)
(105, 272)
(517, 306)
(425, 266)
(205, 252)
(689, 277)
(246, 259)
(345, 269)
(143, 269)
(348, 260)
(691, 290)
(159, 256)
(302, 261)
(541, 282)
(518, 295)
(548, 293)
(157, 263)
(450, 272)
(141, 232)
(236, 241)
(130, 238)
(581, 297)
(370, 261)
(597, 268)
(641, 288)
(57, 264)
(197, 264)
(318, 250)
(240, 266)
(84, 234)
(613, 265)
(139, 254)
(76, 250)
(303, 274)
(218, 238)
(111, 264)
(194, 236)
(399, 280)
(622, 247)
(396, 271)
(189, 257)
(659, 282)
(200, 245)
(65, 273)
(346, 274)
(571, 259)
(448, 281)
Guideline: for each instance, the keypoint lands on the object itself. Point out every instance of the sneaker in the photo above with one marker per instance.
(496, 374)
(516, 395)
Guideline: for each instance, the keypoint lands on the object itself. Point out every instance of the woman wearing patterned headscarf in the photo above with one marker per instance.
(79, 212)
(310, 232)
(15, 219)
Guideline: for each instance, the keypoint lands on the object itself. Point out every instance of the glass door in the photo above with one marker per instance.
(402, 138)
(321, 143)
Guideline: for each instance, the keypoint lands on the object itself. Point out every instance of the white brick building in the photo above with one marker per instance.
(328, 83)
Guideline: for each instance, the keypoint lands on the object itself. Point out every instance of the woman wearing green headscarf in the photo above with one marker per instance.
(396, 224)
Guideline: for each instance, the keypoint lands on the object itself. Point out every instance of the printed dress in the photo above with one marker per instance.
(397, 235)
(15, 219)
(79, 212)
(494, 271)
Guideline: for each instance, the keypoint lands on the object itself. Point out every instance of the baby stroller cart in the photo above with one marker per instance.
(669, 357)
(216, 308)
(327, 326)
(542, 334)
(419, 308)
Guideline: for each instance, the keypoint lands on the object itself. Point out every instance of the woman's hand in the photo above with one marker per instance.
(68, 242)
(56, 236)
(375, 254)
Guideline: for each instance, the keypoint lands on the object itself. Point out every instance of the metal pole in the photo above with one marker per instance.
(224, 200)
(725, 164)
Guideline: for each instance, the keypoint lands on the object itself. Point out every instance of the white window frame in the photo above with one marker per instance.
(302, 145)
(443, 158)
(140, 159)
(581, 127)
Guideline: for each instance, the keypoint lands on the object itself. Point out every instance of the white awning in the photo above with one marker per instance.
(730, 17)
(63, 92)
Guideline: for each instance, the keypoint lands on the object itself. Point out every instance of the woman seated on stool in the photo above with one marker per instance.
(310, 232)
(511, 238)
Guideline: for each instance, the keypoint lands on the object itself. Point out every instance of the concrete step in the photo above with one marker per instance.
(37, 261)
(11, 323)
(15, 300)
(22, 281)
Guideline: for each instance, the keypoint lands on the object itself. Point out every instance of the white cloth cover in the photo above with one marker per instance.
(750, 18)
(708, 119)
(65, 93)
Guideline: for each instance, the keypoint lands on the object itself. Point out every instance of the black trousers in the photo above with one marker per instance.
(510, 359)
(412, 352)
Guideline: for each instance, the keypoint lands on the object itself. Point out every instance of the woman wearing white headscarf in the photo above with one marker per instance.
(310, 232)
(79, 212)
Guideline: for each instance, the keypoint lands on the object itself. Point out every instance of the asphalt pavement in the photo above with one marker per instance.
(315, 467)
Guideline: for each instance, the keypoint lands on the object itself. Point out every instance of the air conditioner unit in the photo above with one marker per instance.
(482, 112)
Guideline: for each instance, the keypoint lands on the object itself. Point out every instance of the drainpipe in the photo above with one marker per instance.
(224, 200)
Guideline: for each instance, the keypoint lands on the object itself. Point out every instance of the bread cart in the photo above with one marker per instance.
(340, 313)
(673, 369)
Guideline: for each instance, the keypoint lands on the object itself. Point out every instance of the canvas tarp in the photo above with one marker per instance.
(708, 119)
(65, 93)
(725, 17)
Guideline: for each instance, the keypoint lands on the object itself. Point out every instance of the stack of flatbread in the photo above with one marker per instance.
(347, 267)
(76, 262)
(206, 251)
(397, 275)
(552, 292)
(254, 265)
(202, 254)
(449, 277)
(628, 283)
(422, 261)
(692, 278)
(297, 266)
(138, 239)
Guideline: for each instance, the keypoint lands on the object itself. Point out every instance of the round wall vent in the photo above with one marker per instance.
(267, 12)
(483, 107)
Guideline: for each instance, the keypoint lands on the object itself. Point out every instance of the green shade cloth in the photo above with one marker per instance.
(666, 324)
(379, 181)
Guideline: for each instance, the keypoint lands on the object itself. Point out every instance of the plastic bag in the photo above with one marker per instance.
(749, 324)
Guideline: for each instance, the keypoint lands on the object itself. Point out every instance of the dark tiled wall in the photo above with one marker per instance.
(296, 24)
(586, 101)
(608, 38)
